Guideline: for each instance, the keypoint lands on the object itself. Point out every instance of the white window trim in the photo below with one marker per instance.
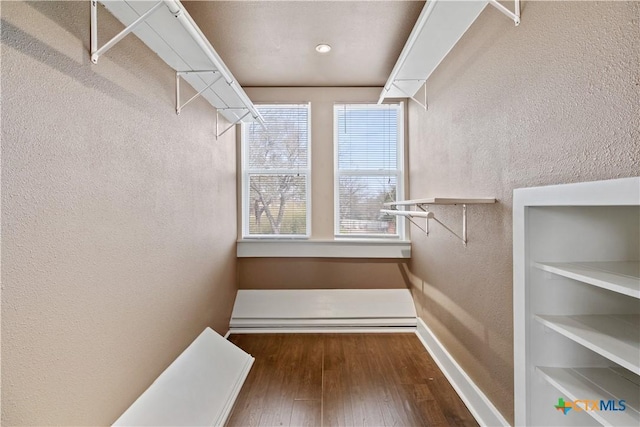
(340, 248)
(245, 181)
(398, 173)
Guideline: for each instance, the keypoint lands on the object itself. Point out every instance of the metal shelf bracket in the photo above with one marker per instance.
(97, 52)
(464, 223)
(515, 16)
(424, 212)
(423, 105)
(218, 133)
(181, 73)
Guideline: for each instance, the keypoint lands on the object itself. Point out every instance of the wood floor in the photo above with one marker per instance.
(344, 380)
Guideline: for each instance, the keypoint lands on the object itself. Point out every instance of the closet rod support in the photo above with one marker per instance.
(95, 52)
(514, 16)
(180, 73)
(218, 135)
(423, 105)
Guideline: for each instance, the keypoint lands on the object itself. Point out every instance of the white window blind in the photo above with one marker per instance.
(369, 168)
(276, 173)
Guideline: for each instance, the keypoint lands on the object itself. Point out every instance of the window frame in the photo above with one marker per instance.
(246, 173)
(398, 173)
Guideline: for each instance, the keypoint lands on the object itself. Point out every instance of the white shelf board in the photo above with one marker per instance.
(618, 276)
(598, 384)
(198, 389)
(613, 336)
(443, 201)
(170, 40)
(438, 28)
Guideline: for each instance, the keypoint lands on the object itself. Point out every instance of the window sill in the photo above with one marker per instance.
(323, 248)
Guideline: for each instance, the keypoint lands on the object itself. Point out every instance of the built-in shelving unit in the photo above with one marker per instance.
(423, 212)
(577, 303)
(438, 28)
(166, 27)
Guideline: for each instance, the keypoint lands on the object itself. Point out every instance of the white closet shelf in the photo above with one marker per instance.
(612, 336)
(438, 28)
(599, 384)
(442, 201)
(423, 204)
(166, 27)
(618, 276)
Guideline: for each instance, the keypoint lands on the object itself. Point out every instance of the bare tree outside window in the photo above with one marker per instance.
(276, 171)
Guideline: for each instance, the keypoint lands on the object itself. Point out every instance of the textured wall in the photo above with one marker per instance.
(321, 273)
(118, 219)
(312, 273)
(554, 100)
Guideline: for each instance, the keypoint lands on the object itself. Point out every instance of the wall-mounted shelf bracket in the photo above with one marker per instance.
(218, 133)
(181, 73)
(97, 52)
(422, 82)
(423, 205)
(513, 15)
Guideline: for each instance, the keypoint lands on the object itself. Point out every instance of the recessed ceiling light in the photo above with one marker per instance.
(323, 48)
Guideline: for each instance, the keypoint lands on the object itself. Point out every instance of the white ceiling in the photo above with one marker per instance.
(272, 43)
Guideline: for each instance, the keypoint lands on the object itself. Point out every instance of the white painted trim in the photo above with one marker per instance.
(270, 248)
(226, 336)
(295, 323)
(326, 330)
(478, 403)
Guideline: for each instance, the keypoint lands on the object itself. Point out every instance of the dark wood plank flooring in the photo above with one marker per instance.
(344, 380)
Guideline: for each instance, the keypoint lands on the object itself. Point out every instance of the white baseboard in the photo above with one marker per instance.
(478, 403)
(326, 330)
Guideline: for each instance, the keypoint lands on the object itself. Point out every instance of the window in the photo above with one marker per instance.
(368, 168)
(276, 175)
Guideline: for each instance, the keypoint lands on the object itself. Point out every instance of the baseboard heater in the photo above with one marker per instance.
(323, 310)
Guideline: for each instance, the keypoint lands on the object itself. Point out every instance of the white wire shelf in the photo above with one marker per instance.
(438, 28)
(166, 27)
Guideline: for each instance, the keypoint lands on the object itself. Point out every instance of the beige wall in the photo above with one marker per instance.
(314, 273)
(118, 219)
(321, 273)
(554, 100)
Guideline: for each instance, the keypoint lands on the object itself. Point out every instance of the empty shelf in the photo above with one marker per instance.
(612, 336)
(598, 384)
(443, 201)
(620, 276)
